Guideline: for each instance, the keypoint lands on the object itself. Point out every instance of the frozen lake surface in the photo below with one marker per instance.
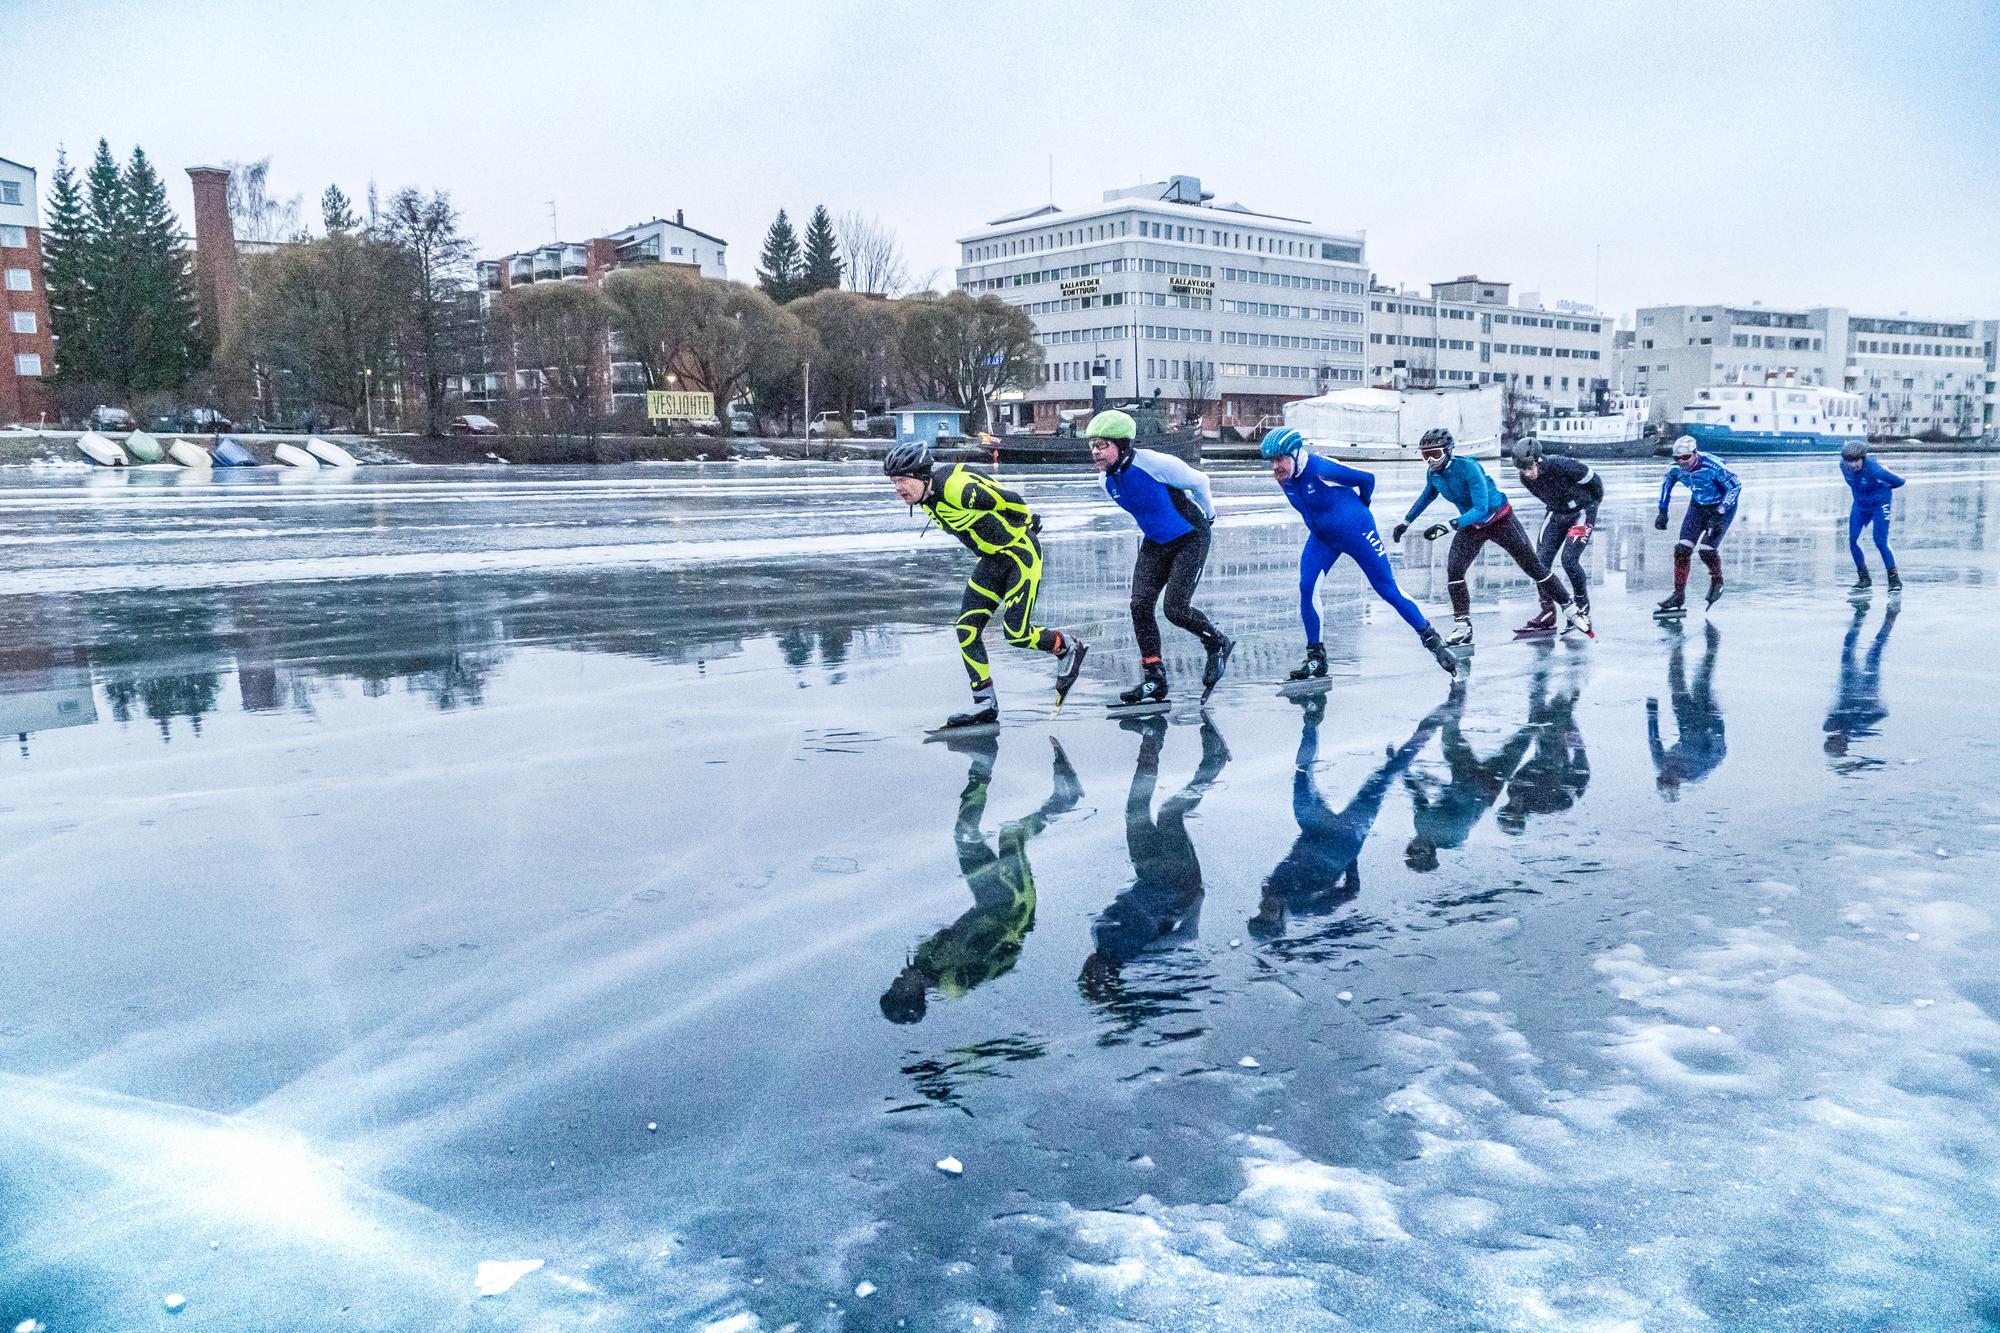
(427, 883)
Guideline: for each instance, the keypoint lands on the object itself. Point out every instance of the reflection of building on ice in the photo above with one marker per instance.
(42, 689)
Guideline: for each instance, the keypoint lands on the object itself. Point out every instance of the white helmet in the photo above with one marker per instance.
(1684, 446)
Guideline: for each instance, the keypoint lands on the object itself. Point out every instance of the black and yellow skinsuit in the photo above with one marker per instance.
(996, 525)
(986, 941)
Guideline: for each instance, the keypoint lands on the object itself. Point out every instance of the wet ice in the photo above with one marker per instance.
(359, 869)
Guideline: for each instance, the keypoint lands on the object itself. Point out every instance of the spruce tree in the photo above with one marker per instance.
(820, 270)
(336, 213)
(778, 268)
(108, 314)
(166, 348)
(66, 274)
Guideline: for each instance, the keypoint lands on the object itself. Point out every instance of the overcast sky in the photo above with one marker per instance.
(1636, 152)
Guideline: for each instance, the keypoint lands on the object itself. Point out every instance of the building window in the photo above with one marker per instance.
(13, 238)
(28, 366)
(20, 280)
(24, 321)
(10, 192)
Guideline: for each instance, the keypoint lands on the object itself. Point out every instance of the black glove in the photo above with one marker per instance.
(1396, 533)
(1435, 531)
(1660, 521)
(1035, 524)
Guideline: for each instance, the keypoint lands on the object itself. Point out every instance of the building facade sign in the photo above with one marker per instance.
(1192, 286)
(1081, 286)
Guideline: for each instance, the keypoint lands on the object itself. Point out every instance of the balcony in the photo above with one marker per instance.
(575, 261)
(489, 275)
(520, 269)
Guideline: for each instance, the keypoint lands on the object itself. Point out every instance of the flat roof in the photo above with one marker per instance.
(1221, 215)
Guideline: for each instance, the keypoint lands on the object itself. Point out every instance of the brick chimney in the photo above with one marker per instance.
(214, 249)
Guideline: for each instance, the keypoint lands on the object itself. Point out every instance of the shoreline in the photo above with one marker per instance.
(19, 448)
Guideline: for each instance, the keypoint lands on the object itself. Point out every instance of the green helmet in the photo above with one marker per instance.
(1111, 425)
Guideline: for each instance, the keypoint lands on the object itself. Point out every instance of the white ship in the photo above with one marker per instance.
(1772, 418)
(1623, 422)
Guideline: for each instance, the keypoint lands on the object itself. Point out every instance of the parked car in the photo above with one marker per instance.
(474, 424)
(110, 418)
(822, 420)
(742, 423)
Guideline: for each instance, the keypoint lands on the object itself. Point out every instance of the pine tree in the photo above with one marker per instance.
(778, 271)
(820, 269)
(336, 213)
(66, 274)
(166, 347)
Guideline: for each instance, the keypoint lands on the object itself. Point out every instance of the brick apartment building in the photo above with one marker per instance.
(27, 347)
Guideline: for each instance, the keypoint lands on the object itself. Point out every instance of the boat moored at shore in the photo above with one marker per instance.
(1772, 418)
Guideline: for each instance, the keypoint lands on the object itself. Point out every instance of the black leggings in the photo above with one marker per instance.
(1506, 533)
(1555, 533)
(1174, 566)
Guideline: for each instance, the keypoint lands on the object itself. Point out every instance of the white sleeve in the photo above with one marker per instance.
(1173, 472)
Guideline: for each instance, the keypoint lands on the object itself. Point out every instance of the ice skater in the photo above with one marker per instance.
(1484, 515)
(1333, 500)
(1171, 503)
(1874, 487)
(997, 526)
(1712, 494)
(986, 941)
(1571, 491)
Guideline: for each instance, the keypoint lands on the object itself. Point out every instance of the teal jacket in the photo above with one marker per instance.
(1463, 482)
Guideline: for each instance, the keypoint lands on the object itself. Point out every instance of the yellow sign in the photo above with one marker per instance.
(678, 405)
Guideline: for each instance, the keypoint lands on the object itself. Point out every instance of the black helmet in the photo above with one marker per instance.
(910, 458)
(1853, 451)
(1527, 451)
(1436, 440)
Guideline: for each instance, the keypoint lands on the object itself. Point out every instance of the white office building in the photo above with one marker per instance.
(1469, 332)
(1213, 310)
(1918, 376)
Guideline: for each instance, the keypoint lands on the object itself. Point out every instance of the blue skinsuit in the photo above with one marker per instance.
(1463, 482)
(1712, 494)
(1333, 500)
(1873, 486)
(1167, 498)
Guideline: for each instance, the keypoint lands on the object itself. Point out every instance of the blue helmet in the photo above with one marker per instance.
(1283, 440)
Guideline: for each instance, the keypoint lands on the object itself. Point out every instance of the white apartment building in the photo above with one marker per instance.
(1213, 310)
(1918, 376)
(1467, 332)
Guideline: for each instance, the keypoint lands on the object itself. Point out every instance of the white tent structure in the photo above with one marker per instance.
(1383, 424)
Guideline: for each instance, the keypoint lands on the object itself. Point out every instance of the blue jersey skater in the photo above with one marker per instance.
(1333, 500)
(1874, 486)
(1712, 494)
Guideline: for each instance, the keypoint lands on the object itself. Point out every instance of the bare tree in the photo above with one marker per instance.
(315, 318)
(652, 309)
(875, 262)
(254, 214)
(424, 231)
(964, 350)
(561, 329)
(1421, 370)
(735, 333)
(1197, 387)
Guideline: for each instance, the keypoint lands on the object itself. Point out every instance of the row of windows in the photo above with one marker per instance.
(1503, 377)
(1176, 300)
(1168, 333)
(1880, 348)
(1164, 367)
(1261, 278)
(1525, 321)
(1063, 372)
(1324, 314)
(1164, 231)
(1177, 270)
(1780, 342)
(1268, 372)
(1232, 338)
(1108, 333)
(1042, 275)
